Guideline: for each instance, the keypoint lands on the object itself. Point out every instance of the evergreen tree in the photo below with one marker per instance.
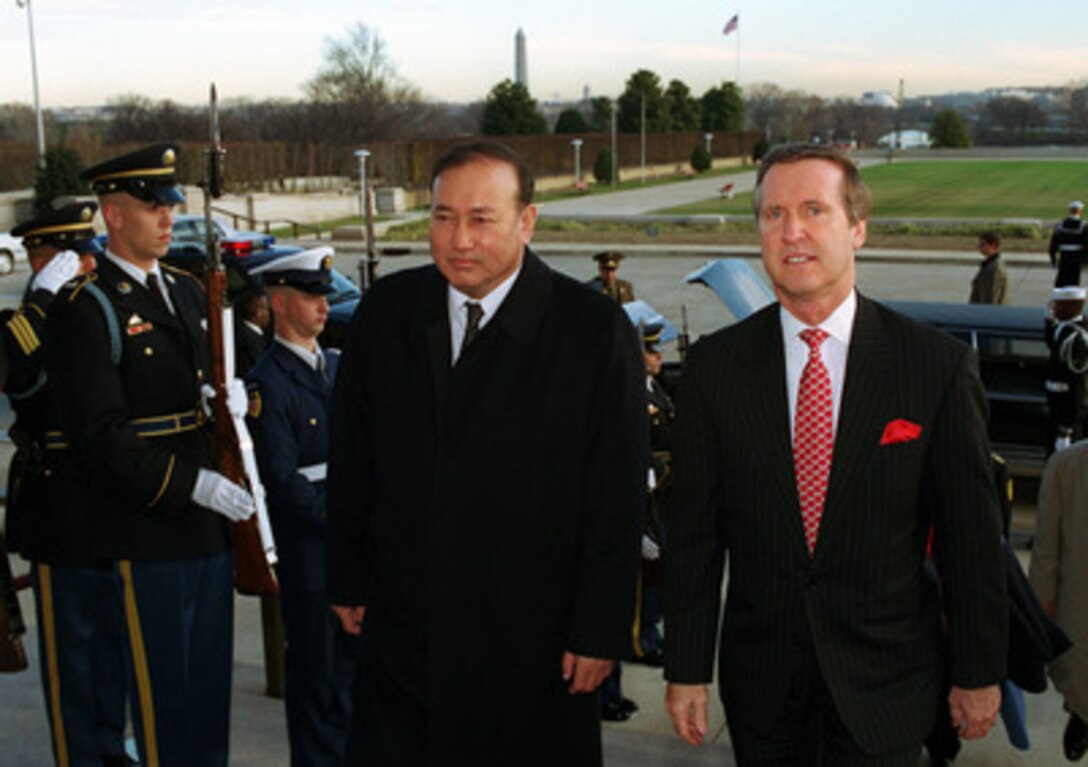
(949, 131)
(511, 111)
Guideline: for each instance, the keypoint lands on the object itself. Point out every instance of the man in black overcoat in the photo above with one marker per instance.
(487, 481)
(832, 650)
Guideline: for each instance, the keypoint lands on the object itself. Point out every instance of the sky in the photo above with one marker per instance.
(89, 53)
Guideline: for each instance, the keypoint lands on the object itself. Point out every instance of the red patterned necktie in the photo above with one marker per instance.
(812, 436)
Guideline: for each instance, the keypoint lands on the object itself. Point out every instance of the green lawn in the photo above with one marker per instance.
(955, 189)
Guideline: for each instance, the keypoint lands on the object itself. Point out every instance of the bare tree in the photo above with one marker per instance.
(358, 94)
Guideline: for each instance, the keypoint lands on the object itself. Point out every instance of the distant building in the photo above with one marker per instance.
(879, 99)
(521, 61)
(908, 139)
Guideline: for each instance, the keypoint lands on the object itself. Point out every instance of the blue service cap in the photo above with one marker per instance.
(67, 228)
(148, 174)
(309, 271)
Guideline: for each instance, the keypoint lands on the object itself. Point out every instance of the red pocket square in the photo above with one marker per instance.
(900, 430)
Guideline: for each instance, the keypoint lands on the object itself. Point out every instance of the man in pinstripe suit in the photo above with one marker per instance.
(832, 650)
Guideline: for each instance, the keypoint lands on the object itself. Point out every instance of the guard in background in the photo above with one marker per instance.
(127, 360)
(80, 639)
(289, 390)
(1069, 246)
(252, 328)
(1067, 339)
(662, 413)
(608, 280)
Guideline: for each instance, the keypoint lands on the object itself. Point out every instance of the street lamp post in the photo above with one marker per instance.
(708, 137)
(577, 144)
(615, 155)
(34, 74)
(368, 270)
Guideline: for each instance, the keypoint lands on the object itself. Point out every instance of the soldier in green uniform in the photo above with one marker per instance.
(608, 280)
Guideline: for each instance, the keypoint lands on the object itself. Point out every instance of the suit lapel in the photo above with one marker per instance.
(764, 416)
(435, 328)
(868, 373)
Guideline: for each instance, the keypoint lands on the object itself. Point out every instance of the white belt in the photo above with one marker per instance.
(1057, 387)
(315, 472)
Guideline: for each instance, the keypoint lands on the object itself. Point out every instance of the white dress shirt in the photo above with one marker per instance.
(833, 351)
(458, 313)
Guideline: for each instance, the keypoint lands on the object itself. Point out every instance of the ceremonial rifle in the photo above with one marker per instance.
(254, 547)
(12, 628)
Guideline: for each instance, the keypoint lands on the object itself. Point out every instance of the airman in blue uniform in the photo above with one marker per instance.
(80, 640)
(127, 361)
(290, 389)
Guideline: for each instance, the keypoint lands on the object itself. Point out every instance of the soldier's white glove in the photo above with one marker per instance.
(61, 268)
(214, 491)
(650, 550)
(237, 399)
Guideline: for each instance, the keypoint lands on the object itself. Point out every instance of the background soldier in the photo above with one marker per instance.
(1068, 245)
(252, 328)
(662, 414)
(608, 280)
(1067, 339)
(289, 393)
(79, 638)
(127, 360)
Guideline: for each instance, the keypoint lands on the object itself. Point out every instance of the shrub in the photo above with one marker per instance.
(700, 158)
(602, 167)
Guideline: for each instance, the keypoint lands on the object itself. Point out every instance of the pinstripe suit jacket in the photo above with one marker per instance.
(863, 598)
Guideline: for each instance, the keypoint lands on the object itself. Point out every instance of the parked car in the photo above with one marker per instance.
(342, 301)
(11, 252)
(1010, 341)
(190, 230)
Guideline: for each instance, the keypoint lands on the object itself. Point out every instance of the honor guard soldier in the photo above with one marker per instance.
(1067, 339)
(608, 281)
(289, 390)
(127, 363)
(661, 413)
(1069, 246)
(80, 640)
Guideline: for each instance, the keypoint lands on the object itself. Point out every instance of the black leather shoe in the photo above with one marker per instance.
(614, 712)
(1075, 740)
(628, 705)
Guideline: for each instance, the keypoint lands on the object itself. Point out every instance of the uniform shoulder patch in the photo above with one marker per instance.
(254, 404)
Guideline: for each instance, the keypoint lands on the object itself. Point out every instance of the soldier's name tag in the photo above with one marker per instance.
(137, 325)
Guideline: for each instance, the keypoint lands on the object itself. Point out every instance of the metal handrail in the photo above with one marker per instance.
(266, 224)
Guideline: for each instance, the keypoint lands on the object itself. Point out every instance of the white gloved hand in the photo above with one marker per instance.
(61, 268)
(237, 398)
(650, 550)
(214, 491)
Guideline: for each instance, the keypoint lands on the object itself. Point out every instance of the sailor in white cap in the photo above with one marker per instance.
(1067, 338)
(289, 389)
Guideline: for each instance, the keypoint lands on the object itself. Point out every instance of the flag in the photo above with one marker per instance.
(732, 24)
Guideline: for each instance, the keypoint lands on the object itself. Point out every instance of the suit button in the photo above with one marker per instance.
(810, 580)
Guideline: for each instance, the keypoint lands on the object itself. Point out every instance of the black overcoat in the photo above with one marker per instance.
(488, 515)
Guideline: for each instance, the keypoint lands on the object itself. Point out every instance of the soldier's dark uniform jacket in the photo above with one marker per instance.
(129, 399)
(48, 512)
(1068, 249)
(47, 501)
(288, 418)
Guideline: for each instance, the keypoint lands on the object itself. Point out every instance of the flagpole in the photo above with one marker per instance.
(737, 68)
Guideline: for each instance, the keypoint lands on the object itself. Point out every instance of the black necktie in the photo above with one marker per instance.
(156, 293)
(472, 327)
